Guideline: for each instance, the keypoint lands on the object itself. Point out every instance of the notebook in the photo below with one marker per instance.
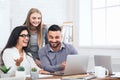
(104, 61)
(75, 64)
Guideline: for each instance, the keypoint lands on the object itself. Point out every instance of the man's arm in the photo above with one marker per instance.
(45, 63)
(72, 50)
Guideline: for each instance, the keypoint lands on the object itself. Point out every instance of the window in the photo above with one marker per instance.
(106, 22)
(103, 23)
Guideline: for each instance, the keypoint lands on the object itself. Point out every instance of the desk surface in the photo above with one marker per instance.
(74, 76)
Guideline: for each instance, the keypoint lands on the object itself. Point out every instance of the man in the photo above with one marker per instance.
(54, 54)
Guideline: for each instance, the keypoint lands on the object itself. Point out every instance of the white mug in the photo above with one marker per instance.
(101, 72)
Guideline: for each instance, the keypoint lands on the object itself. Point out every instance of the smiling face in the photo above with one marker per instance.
(35, 19)
(23, 39)
(54, 38)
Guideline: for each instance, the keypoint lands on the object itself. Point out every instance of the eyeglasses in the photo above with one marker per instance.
(24, 35)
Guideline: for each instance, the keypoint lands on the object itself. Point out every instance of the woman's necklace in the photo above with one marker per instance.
(33, 29)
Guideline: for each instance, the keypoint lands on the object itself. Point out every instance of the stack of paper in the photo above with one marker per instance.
(116, 74)
(49, 79)
(13, 78)
(44, 75)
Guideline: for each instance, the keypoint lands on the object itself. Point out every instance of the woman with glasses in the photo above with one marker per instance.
(38, 32)
(15, 52)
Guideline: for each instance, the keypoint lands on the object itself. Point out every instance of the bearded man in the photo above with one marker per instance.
(53, 55)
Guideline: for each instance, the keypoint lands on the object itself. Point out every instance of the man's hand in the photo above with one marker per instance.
(63, 64)
(18, 61)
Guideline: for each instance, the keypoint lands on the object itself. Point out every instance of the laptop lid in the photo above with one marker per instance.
(104, 61)
(76, 64)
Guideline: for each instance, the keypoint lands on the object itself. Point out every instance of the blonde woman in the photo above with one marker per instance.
(38, 33)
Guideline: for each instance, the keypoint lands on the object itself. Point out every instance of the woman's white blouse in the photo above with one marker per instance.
(10, 54)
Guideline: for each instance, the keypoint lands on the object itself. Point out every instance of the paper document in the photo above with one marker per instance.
(13, 78)
(49, 79)
(44, 75)
(116, 74)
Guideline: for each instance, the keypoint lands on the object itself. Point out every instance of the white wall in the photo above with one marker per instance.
(4, 22)
(13, 13)
(85, 22)
(53, 12)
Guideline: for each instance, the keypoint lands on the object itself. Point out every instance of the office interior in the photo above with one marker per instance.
(95, 23)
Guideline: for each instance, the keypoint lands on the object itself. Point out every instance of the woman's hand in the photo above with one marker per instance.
(18, 61)
(38, 62)
(43, 72)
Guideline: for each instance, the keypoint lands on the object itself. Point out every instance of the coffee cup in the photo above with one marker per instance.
(101, 72)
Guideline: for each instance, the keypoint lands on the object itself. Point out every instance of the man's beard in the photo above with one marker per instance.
(54, 44)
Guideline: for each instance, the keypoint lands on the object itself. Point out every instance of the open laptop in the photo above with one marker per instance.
(75, 64)
(104, 61)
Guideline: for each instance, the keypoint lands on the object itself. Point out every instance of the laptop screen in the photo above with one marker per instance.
(76, 64)
(104, 61)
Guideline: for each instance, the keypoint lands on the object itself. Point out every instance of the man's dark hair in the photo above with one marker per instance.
(54, 28)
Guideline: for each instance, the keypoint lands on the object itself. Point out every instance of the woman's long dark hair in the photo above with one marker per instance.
(12, 41)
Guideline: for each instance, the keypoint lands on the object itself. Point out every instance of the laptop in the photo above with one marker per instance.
(75, 64)
(104, 61)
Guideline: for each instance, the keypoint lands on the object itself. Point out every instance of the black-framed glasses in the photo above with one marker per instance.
(24, 35)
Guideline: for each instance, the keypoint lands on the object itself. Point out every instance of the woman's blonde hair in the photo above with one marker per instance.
(39, 28)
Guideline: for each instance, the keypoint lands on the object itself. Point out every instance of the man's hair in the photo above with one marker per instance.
(54, 28)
